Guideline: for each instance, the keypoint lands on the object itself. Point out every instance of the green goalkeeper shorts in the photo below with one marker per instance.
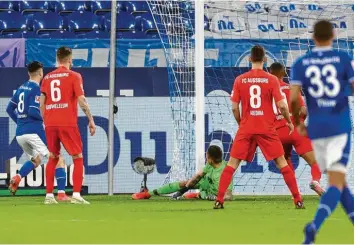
(207, 191)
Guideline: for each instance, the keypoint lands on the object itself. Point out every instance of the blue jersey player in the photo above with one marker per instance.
(327, 77)
(23, 108)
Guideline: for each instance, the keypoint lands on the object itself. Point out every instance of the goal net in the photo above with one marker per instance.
(231, 28)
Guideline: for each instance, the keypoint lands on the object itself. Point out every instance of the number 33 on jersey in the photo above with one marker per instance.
(62, 87)
(256, 90)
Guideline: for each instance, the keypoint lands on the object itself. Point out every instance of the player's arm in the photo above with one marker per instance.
(84, 105)
(303, 109)
(195, 179)
(295, 103)
(236, 112)
(235, 98)
(11, 108)
(42, 102)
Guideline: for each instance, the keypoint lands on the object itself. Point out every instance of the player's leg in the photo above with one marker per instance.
(71, 140)
(316, 174)
(304, 148)
(163, 190)
(286, 139)
(53, 143)
(347, 201)
(288, 153)
(61, 177)
(33, 152)
(272, 149)
(332, 154)
(243, 148)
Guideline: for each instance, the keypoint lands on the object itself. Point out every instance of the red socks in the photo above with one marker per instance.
(291, 182)
(50, 172)
(288, 160)
(78, 174)
(315, 172)
(224, 182)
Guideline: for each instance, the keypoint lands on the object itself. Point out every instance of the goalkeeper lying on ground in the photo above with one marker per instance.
(207, 181)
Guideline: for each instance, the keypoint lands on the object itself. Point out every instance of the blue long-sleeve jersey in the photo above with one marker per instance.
(24, 109)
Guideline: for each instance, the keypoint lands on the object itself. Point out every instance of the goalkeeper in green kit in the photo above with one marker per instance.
(206, 181)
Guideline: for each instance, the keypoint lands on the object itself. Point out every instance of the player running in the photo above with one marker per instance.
(62, 90)
(326, 76)
(255, 90)
(23, 109)
(302, 144)
(206, 181)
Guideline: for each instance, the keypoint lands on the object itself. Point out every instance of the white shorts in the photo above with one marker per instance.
(32, 145)
(332, 153)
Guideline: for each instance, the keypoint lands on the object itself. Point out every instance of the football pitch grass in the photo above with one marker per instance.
(118, 219)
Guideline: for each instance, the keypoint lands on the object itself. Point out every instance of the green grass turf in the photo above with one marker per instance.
(118, 219)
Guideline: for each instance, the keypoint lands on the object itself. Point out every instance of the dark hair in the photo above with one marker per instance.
(257, 53)
(323, 31)
(215, 153)
(277, 69)
(34, 66)
(63, 53)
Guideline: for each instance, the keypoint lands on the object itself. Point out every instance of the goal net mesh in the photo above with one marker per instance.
(283, 28)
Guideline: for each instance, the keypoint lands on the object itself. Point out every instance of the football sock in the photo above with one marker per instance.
(224, 182)
(347, 201)
(289, 162)
(50, 170)
(327, 205)
(290, 181)
(78, 174)
(26, 168)
(315, 172)
(166, 189)
(61, 178)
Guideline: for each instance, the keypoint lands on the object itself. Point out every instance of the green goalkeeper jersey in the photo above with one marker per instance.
(210, 182)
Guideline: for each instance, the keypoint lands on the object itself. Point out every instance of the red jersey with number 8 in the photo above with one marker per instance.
(256, 90)
(62, 88)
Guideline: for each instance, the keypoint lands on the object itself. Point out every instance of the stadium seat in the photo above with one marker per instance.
(135, 7)
(56, 35)
(12, 21)
(6, 6)
(46, 22)
(19, 34)
(83, 21)
(189, 20)
(93, 35)
(124, 22)
(145, 24)
(30, 7)
(67, 7)
(100, 7)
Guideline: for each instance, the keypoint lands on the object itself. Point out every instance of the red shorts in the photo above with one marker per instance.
(244, 146)
(68, 136)
(302, 144)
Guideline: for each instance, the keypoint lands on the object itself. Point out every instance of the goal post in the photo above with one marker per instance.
(207, 44)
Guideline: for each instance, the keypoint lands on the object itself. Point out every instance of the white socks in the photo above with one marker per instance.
(50, 195)
(76, 195)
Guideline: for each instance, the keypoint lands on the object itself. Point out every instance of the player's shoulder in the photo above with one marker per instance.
(75, 74)
(343, 55)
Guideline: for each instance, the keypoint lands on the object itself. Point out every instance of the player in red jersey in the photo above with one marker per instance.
(62, 89)
(255, 90)
(302, 144)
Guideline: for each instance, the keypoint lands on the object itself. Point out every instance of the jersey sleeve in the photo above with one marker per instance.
(33, 108)
(276, 91)
(11, 107)
(235, 96)
(349, 68)
(297, 74)
(78, 86)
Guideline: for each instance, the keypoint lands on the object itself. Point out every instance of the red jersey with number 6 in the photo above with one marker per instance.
(256, 90)
(285, 91)
(62, 88)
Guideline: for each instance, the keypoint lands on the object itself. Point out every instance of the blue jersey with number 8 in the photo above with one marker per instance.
(23, 108)
(326, 76)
